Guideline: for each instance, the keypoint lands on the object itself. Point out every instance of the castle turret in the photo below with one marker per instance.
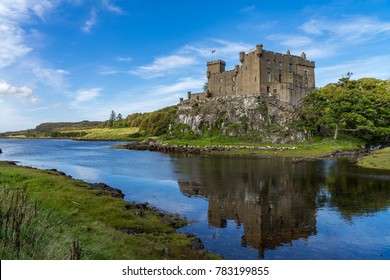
(216, 66)
(259, 48)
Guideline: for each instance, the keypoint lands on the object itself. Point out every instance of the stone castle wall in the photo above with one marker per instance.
(287, 77)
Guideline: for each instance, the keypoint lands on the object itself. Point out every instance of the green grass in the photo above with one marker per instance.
(316, 147)
(72, 215)
(379, 159)
(105, 133)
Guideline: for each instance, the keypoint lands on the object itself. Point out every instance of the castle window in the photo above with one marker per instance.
(268, 77)
(221, 80)
(234, 79)
(220, 89)
(280, 65)
(268, 63)
(255, 79)
(306, 86)
(267, 89)
(280, 78)
(305, 74)
(233, 88)
(290, 68)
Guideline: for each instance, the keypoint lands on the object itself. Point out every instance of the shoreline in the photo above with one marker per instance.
(148, 231)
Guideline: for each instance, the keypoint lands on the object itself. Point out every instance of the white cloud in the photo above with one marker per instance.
(106, 5)
(226, 50)
(51, 77)
(180, 87)
(124, 59)
(12, 45)
(84, 95)
(325, 38)
(376, 66)
(290, 40)
(12, 91)
(161, 65)
(248, 9)
(353, 28)
(13, 13)
(111, 7)
(91, 22)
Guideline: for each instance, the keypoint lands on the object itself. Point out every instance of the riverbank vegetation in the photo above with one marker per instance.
(47, 215)
(378, 159)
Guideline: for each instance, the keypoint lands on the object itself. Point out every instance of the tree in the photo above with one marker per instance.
(360, 107)
(119, 117)
(111, 120)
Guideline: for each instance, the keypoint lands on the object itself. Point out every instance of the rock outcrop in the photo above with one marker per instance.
(235, 115)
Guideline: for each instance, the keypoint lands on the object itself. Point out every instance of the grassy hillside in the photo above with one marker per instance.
(46, 215)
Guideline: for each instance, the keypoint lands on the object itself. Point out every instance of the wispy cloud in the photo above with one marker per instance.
(325, 38)
(124, 59)
(248, 9)
(12, 45)
(111, 7)
(351, 28)
(106, 5)
(162, 65)
(91, 22)
(225, 50)
(178, 88)
(84, 95)
(373, 66)
(51, 77)
(291, 41)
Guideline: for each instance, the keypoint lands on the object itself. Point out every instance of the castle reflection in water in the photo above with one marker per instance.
(274, 199)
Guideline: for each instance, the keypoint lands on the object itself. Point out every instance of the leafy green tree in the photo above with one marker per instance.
(360, 107)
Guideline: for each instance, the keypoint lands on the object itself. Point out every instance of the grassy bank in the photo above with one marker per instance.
(379, 159)
(316, 147)
(62, 218)
(106, 134)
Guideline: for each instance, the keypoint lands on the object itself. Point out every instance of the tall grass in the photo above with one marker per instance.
(22, 227)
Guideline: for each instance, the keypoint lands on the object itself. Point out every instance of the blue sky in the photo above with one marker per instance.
(73, 60)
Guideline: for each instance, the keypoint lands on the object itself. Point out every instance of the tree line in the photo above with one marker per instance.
(358, 107)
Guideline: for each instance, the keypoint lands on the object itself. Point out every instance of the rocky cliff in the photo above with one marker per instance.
(239, 115)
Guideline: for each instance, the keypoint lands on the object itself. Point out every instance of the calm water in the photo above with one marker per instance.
(242, 208)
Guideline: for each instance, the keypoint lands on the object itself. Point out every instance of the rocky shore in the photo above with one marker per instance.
(152, 145)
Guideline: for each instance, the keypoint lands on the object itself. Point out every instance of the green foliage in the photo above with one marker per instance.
(156, 123)
(359, 107)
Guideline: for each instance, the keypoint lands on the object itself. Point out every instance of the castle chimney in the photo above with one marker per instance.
(189, 94)
(242, 57)
(236, 69)
(303, 55)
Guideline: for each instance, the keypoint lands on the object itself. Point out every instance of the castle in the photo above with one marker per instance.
(287, 77)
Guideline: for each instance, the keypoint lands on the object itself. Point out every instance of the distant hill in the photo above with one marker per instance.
(51, 129)
(61, 126)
